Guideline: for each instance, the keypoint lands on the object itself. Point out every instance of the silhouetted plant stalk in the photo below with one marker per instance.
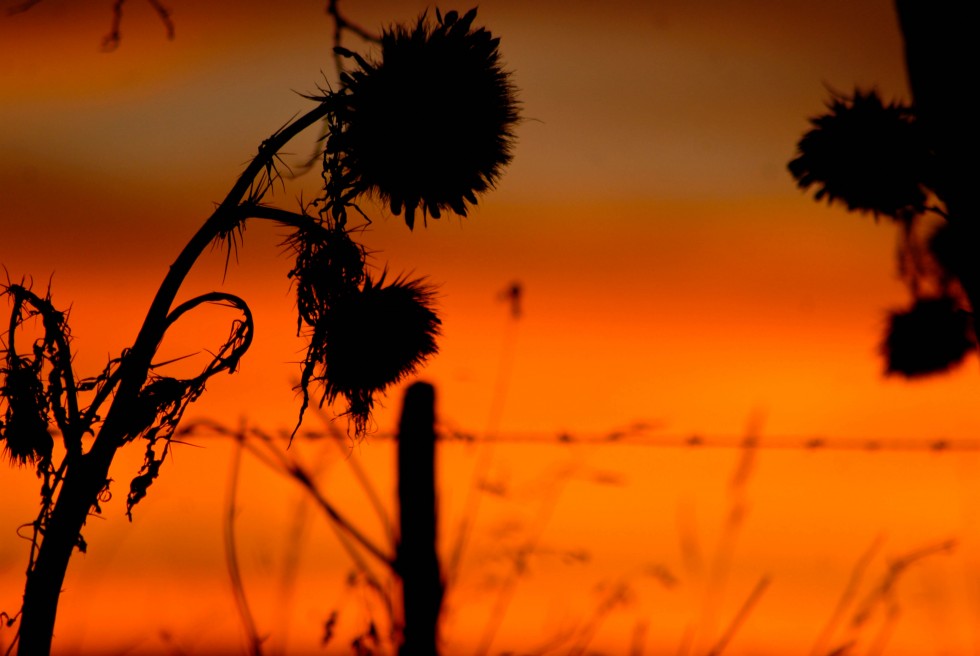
(427, 127)
(111, 40)
(916, 164)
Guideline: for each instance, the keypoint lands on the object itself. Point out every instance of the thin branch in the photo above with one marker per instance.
(238, 343)
(165, 18)
(341, 24)
(111, 40)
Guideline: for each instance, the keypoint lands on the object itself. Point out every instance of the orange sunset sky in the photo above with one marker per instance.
(672, 272)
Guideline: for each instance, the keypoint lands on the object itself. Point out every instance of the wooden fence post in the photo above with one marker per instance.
(417, 562)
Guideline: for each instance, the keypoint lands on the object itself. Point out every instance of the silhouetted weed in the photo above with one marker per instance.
(427, 125)
(912, 162)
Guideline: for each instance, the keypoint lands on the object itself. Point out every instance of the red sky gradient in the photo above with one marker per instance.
(673, 275)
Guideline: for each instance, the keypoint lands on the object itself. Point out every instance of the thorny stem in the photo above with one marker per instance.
(87, 476)
(251, 210)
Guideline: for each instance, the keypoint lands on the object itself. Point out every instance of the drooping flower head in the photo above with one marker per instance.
(870, 155)
(430, 125)
(24, 428)
(371, 337)
(933, 336)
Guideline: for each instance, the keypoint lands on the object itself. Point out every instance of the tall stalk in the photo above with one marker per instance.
(388, 132)
(87, 475)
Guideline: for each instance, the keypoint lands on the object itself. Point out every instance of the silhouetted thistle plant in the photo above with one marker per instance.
(395, 323)
(915, 163)
(429, 125)
(874, 158)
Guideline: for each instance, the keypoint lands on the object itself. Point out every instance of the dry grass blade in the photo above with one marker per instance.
(882, 597)
(231, 551)
(737, 510)
(847, 597)
(740, 617)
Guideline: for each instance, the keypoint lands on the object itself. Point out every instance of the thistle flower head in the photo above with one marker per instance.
(371, 338)
(931, 337)
(870, 155)
(430, 125)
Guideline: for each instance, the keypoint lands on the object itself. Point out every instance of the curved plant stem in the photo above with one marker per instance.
(87, 476)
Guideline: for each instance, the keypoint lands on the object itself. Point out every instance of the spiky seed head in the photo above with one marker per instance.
(870, 155)
(371, 339)
(430, 125)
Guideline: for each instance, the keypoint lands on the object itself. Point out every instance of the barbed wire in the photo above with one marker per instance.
(648, 437)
